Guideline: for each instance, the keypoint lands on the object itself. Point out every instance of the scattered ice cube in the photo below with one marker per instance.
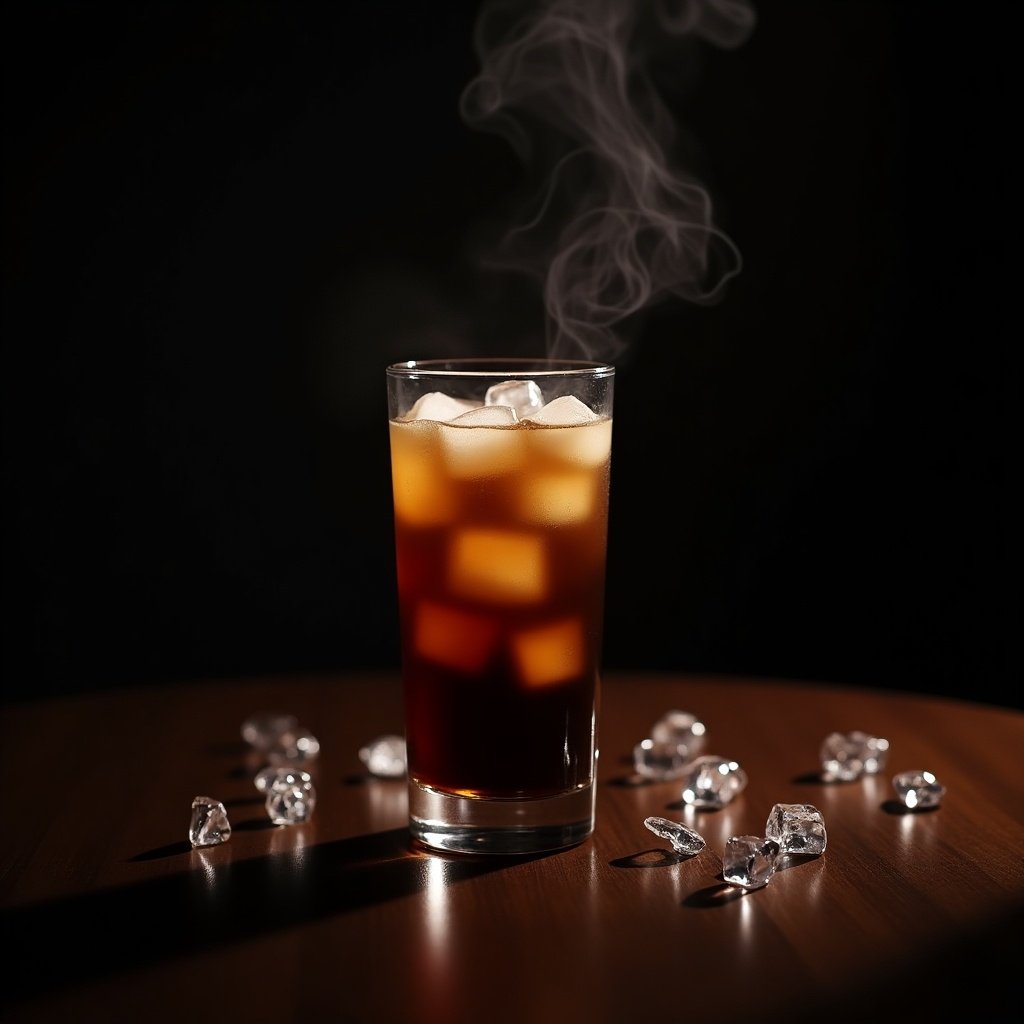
(797, 828)
(550, 654)
(263, 778)
(524, 396)
(749, 861)
(918, 789)
(659, 761)
(499, 566)
(210, 825)
(713, 781)
(436, 405)
(556, 499)
(452, 637)
(846, 756)
(294, 747)
(682, 838)
(668, 752)
(385, 757)
(566, 411)
(263, 729)
(682, 728)
(291, 797)
(280, 738)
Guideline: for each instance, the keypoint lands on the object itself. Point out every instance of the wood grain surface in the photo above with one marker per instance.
(110, 915)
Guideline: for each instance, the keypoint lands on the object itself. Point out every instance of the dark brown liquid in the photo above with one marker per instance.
(477, 721)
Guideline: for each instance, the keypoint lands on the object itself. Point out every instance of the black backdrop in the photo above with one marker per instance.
(222, 220)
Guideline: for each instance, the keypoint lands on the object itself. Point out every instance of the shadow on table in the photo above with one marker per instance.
(67, 942)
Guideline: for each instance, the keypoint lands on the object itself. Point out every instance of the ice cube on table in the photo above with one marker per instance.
(385, 756)
(749, 861)
(486, 450)
(550, 654)
(681, 728)
(452, 637)
(658, 761)
(918, 789)
(435, 405)
(261, 730)
(422, 496)
(209, 825)
(683, 838)
(290, 797)
(497, 566)
(846, 756)
(556, 499)
(294, 747)
(524, 396)
(797, 828)
(589, 444)
(713, 781)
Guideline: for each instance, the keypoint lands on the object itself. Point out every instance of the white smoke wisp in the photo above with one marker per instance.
(617, 228)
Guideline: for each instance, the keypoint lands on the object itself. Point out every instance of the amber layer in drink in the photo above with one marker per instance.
(500, 541)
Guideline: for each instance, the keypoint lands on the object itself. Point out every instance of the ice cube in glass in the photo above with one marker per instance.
(497, 566)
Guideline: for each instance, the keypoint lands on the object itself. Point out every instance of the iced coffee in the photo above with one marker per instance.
(500, 481)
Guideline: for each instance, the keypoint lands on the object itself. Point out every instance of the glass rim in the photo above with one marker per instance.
(512, 368)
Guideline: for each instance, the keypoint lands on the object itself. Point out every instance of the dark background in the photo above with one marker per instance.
(222, 220)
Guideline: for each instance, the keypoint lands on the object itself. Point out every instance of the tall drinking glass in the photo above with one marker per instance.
(500, 473)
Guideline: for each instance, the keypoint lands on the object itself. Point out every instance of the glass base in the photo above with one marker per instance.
(459, 824)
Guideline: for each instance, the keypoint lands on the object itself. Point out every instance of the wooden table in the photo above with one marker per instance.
(110, 915)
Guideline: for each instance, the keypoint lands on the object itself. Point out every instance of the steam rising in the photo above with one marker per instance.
(616, 228)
